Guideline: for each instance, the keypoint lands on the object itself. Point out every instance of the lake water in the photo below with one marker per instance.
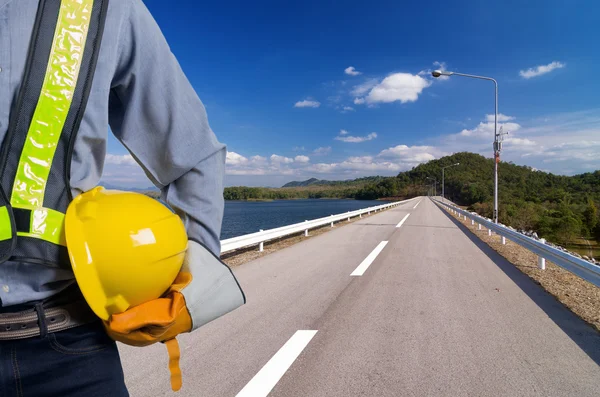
(243, 217)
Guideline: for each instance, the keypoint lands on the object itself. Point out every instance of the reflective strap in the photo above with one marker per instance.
(49, 117)
(5, 225)
(46, 224)
(174, 356)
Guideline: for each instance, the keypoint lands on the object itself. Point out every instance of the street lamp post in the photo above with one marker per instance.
(443, 168)
(434, 185)
(438, 73)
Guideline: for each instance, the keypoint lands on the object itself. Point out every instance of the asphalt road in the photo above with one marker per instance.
(431, 312)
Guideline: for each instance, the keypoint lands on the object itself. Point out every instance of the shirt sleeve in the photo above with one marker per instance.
(156, 114)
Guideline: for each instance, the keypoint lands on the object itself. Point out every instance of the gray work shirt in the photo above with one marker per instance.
(139, 90)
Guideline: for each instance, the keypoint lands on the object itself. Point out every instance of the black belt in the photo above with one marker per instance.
(39, 319)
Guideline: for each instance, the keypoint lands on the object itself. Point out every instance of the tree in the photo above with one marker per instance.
(590, 217)
(568, 229)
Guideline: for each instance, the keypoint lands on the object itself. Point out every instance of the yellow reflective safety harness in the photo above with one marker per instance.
(35, 159)
(36, 153)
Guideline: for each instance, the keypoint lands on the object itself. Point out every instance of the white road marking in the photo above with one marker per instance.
(362, 268)
(403, 220)
(416, 205)
(266, 379)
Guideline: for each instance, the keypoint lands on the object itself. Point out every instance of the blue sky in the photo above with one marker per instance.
(339, 90)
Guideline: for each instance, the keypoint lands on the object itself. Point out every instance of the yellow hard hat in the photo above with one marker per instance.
(125, 248)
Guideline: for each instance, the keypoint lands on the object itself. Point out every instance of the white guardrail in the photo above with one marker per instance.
(259, 238)
(580, 267)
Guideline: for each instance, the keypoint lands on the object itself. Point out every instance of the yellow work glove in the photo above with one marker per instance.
(204, 290)
(159, 320)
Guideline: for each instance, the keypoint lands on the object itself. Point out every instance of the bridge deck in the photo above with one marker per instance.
(435, 313)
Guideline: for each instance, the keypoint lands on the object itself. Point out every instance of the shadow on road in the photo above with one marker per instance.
(586, 337)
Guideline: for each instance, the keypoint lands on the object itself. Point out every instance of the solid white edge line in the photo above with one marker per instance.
(265, 380)
(362, 268)
(403, 220)
(416, 205)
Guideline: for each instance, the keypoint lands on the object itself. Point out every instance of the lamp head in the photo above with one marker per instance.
(438, 73)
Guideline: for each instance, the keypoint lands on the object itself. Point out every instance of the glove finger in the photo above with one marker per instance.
(135, 338)
(153, 313)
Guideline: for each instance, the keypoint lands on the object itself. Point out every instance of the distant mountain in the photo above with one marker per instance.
(347, 182)
(308, 182)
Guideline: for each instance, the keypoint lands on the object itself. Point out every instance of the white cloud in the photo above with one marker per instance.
(561, 143)
(322, 151)
(540, 70)
(519, 143)
(564, 144)
(486, 130)
(577, 154)
(260, 160)
(302, 159)
(307, 104)
(123, 171)
(351, 71)
(438, 66)
(323, 168)
(281, 159)
(116, 159)
(411, 154)
(348, 109)
(234, 158)
(501, 117)
(363, 88)
(359, 101)
(403, 87)
(299, 148)
(238, 164)
(344, 137)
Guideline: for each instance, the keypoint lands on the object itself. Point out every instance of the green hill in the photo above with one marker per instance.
(559, 208)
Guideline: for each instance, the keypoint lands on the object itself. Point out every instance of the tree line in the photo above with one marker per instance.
(558, 208)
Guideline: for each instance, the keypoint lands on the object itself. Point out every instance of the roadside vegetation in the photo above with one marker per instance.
(561, 209)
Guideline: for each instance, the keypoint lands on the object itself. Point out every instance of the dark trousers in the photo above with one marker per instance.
(81, 361)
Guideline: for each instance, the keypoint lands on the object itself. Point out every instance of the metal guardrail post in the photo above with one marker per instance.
(261, 246)
(503, 240)
(541, 263)
(306, 231)
(489, 232)
(479, 226)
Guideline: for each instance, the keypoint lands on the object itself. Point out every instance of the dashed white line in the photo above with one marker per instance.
(266, 379)
(416, 205)
(362, 268)
(403, 220)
